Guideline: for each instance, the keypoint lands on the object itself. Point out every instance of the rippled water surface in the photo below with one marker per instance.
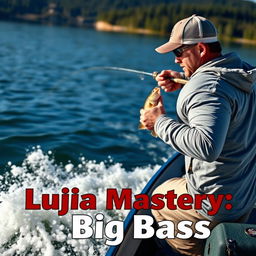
(62, 125)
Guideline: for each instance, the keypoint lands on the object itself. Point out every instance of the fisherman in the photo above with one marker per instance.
(215, 130)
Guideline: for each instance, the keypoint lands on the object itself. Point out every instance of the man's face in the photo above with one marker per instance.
(189, 60)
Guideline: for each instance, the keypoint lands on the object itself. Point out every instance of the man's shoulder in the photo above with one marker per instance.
(200, 83)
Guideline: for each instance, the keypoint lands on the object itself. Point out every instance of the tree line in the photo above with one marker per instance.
(10, 8)
(233, 18)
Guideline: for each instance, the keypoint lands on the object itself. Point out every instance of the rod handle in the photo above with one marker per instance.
(176, 80)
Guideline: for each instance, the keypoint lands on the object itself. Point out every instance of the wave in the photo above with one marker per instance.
(44, 232)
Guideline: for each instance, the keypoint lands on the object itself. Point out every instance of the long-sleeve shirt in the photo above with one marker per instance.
(216, 132)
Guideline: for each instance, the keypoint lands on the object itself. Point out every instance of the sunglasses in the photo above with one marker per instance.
(179, 51)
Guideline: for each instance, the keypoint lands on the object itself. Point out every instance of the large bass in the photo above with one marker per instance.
(151, 101)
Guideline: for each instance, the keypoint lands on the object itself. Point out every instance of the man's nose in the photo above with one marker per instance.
(177, 60)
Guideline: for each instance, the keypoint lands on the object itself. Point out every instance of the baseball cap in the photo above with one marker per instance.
(192, 30)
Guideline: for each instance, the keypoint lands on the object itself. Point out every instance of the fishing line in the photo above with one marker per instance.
(121, 69)
(139, 72)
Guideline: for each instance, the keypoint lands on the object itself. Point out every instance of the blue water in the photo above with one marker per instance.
(90, 113)
(96, 113)
(64, 126)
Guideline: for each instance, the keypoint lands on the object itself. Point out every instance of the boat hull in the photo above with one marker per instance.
(153, 246)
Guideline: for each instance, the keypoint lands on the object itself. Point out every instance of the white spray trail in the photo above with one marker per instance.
(41, 232)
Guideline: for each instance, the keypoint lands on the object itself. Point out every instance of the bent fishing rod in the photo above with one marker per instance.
(153, 74)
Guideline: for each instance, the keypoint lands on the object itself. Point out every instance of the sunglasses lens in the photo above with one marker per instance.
(178, 52)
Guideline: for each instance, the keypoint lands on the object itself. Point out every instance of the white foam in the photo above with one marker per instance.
(41, 232)
(69, 167)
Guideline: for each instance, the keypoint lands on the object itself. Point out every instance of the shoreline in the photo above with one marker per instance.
(107, 27)
(243, 41)
(101, 25)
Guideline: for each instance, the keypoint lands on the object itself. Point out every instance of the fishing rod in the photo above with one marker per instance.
(153, 74)
(140, 72)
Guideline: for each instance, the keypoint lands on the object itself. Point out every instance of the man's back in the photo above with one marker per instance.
(221, 103)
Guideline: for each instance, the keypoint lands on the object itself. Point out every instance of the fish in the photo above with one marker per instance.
(150, 102)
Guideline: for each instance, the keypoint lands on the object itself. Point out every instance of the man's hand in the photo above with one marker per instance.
(165, 82)
(148, 117)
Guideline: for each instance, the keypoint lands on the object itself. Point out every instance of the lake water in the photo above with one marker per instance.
(62, 125)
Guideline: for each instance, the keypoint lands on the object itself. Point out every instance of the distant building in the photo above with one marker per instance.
(52, 7)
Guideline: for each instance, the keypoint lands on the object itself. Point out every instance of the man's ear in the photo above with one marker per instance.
(202, 48)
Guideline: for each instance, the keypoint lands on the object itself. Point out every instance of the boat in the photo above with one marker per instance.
(173, 167)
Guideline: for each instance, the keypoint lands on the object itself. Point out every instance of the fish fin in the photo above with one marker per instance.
(154, 134)
(141, 127)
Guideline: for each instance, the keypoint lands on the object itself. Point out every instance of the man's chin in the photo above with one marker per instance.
(187, 74)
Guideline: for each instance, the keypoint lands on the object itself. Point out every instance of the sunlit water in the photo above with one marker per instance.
(62, 127)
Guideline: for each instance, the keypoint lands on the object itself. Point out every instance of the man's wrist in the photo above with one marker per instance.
(158, 120)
